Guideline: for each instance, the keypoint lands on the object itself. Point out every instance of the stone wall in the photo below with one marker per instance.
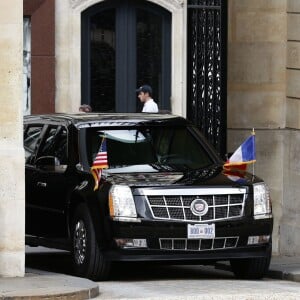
(293, 65)
(257, 34)
(290, 224)
(12, 210)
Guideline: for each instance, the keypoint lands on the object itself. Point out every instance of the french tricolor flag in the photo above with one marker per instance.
(235, 175)
(244, 155)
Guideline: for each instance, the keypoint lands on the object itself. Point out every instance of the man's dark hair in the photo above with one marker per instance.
(85, 108)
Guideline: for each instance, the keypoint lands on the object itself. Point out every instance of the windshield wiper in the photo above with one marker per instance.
(160, 167)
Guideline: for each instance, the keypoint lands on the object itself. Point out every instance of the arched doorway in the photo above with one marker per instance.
(125, 43)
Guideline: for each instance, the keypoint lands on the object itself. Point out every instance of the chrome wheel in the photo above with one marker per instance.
(80, 242)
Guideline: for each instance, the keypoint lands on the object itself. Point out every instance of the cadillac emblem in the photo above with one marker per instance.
(199, 207)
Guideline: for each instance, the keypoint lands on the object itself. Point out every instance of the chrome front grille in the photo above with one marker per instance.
(199, 244)
(166, 205)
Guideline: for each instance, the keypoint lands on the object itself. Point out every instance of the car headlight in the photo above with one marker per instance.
(262, 201)
(121, 204)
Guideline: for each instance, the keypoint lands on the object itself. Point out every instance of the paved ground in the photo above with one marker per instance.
(137, 281)
(190, 282)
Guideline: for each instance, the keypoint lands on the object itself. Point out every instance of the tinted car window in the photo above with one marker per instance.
(48, 142)
(55, 144)
(158, 146)
(31, 139)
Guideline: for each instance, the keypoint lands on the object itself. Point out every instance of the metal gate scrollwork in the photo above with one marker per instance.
(207, 60)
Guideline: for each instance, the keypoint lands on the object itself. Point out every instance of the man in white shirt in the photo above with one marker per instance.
(145, 96)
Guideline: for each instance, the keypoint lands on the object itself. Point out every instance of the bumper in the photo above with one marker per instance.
(180, 257)
(154, 231)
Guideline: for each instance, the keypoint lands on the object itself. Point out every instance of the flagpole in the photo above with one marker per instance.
(253, 167)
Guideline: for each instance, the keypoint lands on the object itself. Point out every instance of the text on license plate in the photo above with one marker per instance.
(201, 231)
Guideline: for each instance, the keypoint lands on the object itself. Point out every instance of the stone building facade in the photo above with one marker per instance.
(263, 92)
(263, 74)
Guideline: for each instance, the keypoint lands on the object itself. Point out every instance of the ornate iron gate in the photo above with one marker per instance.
(207, 60)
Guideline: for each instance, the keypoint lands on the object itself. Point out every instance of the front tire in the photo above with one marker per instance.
(88, 260)
(252, 268)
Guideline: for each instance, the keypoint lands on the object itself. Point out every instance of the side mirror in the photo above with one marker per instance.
(47, 161)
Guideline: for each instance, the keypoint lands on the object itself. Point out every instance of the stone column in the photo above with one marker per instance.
(290, 222)
(257, 89)
(12, 210)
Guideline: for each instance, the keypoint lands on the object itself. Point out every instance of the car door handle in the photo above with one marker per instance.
(41, 184)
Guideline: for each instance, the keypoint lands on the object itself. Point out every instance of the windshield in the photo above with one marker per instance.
(146, 149)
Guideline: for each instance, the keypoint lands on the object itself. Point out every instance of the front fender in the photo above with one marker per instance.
(97, 203)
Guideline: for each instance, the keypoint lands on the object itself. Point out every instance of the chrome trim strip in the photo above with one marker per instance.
(209, 206)
(244, 203)
(263, 216)
(191, 191)
(199, 240)
(214, 204)
(228, 205)
(166, 206)
(127, 219)
(183, 207)
(197, 221)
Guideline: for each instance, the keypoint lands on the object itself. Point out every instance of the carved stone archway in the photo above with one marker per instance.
(171, 5)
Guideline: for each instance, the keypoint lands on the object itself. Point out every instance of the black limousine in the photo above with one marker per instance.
(163, 195)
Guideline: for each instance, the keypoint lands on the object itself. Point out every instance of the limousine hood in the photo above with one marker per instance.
(137, 176)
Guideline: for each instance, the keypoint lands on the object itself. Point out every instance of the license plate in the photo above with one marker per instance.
(201, 231)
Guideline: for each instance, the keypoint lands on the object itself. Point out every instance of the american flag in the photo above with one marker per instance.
(99, 163)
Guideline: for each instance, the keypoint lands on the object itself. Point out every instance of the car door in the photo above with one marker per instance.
(32, 138)
(53, 181)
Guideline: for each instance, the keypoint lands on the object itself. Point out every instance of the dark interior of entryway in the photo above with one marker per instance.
(125, 44)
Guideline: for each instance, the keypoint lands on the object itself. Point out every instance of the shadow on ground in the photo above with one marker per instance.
(61, 262)
(58, 262)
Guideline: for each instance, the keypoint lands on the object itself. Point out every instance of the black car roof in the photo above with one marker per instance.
(112, 119)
